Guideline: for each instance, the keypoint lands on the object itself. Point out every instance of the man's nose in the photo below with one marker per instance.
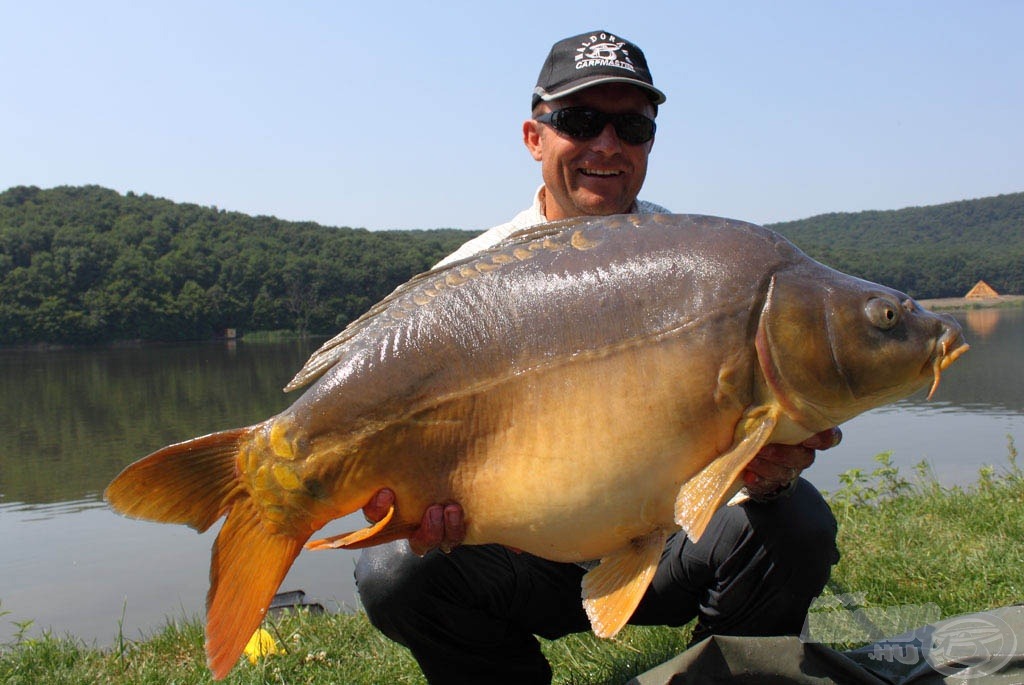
(607, 141)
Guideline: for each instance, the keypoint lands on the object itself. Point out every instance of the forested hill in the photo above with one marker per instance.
(936, 251)
(88, 265)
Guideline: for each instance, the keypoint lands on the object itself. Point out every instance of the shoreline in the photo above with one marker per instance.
(962, 303)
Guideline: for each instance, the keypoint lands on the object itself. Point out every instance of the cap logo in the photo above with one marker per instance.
(603, 50)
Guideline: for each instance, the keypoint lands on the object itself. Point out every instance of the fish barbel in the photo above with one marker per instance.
(583, 390)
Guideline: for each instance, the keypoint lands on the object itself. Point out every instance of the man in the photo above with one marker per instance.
(469, 614)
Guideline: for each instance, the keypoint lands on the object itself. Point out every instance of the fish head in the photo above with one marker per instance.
(832, 346)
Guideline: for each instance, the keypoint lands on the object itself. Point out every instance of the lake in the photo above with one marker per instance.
(70, 420)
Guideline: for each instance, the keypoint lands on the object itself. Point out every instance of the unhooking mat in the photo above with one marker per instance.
(984, 648)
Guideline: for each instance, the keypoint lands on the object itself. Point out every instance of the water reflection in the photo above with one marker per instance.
(982, 322)
(28, 513)
(70, 420)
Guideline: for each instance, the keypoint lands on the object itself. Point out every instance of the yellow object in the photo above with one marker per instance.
(261, 644)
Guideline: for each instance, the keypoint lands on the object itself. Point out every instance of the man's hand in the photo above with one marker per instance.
(442, 525)
(776, 466)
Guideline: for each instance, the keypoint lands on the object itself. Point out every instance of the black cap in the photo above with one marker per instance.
(589, 59)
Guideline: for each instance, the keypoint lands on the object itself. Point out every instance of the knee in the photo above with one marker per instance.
(801, 530)
(386, 578)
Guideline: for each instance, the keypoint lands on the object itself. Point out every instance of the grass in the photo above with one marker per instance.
(904, 543)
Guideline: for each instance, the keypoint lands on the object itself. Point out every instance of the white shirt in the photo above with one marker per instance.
(531, 216)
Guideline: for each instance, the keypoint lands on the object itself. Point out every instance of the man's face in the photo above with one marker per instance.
(593, 177)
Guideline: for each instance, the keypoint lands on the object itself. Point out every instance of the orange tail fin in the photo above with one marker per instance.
(192, 482)
(195, 483)
(249, 563)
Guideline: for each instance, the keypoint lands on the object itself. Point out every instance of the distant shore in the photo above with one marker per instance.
(964, 303)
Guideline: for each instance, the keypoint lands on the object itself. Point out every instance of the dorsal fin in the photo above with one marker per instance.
(333, 351)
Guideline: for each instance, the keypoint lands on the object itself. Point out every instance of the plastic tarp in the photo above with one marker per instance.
(984, 648)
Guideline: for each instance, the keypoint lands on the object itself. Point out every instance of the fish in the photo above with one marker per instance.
(584, 389)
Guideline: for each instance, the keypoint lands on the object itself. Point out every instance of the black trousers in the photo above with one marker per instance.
(471, 616)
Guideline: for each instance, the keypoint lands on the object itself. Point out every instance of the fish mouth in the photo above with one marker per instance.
(948, 349)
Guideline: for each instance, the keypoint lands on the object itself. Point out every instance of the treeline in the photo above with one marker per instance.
(87, 265)
(936, 251)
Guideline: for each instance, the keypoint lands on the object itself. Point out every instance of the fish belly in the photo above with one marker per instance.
(585, 457)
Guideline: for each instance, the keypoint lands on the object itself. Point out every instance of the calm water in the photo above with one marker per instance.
(70, 420)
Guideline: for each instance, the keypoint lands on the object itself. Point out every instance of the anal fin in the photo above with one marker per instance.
(353, 539)
(718, 482)
(612, 590)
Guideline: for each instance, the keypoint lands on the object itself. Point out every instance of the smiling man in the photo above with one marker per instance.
(592, 129)
(470, 614)
(599, 175)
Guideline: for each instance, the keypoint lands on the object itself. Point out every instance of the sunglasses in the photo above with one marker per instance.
(584, 123)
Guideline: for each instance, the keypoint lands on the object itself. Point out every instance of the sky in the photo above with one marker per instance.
(408, 115)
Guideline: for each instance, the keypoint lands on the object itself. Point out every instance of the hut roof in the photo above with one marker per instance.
(981, 291)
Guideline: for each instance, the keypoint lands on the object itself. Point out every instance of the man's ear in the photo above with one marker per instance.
(531, 138)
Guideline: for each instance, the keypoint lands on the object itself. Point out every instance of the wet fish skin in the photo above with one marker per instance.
(581, 390)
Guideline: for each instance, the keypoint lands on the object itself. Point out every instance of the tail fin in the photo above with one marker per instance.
(195, 483)
(249, 562)
(192, 482)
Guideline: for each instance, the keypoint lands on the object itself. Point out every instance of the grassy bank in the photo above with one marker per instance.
(905, 540)
(962, 303)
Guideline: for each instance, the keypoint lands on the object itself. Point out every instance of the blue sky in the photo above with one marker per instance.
(407, 114)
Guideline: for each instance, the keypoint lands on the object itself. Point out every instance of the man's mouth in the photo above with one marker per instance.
(601, 173)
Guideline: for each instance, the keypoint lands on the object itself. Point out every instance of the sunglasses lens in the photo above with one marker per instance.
(584, 123)
(579, 122)
(633, 128)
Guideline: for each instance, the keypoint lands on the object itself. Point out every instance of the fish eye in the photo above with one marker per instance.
(882, 312)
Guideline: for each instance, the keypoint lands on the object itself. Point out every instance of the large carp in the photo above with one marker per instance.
(582, 390)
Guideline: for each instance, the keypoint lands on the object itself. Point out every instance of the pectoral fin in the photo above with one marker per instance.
(352, 540)
(701, 496)
(612, 590)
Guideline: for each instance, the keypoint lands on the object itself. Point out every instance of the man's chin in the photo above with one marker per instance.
(602, 206)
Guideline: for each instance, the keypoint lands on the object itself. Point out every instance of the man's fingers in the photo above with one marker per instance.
(781, 456)
(778, 465)
(442, 525)
(378, 505)
(454, 526)
(430, 534)
(778, 471)
(824, 440)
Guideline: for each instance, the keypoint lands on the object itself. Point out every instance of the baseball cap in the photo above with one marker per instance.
(589, 59)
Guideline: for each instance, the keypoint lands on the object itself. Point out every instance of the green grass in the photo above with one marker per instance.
(904, 543)
(913, 543)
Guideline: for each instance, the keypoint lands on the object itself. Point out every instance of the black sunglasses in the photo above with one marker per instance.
(584, 123)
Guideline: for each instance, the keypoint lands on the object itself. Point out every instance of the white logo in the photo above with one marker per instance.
(603, 50)
(970, 646)
(964, 647)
